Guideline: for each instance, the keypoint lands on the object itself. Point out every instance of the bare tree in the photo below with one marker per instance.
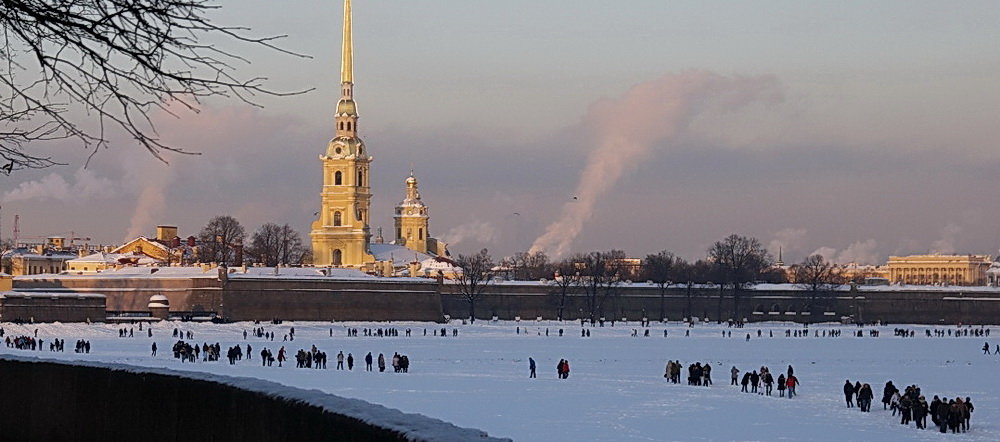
(528, 266)
(565, 282)
(698, 272)
(740, 261)
(221, 241)
(820, 277)
(477, 272)
(659, 268)
(78, 68)
(274, 245)
(600, 277)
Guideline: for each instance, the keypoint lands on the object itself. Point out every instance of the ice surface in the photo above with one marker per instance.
(616, 390)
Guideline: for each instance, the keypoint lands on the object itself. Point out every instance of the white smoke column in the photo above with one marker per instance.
(628, 128)
(478, 230)
(152, 199)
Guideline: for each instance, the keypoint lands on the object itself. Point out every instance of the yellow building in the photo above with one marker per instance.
(939, 269)
(6, 282)
(340, 237)
(412, 223)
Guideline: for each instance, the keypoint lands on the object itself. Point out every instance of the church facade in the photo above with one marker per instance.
(341, 236)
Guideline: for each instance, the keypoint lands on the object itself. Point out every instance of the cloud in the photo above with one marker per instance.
(85, 185)
(628, 128)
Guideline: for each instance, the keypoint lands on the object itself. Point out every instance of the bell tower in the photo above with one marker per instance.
(411, 219)
(341, 235)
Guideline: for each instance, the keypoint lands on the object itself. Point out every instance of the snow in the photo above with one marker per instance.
(616, 390)
(42, 294)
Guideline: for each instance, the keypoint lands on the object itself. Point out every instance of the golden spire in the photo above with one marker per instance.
(347, 62)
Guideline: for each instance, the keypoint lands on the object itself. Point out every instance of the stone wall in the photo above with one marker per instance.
(51, 401)
(189, 295)
(531, 300)
(325, 300)
(48, 307)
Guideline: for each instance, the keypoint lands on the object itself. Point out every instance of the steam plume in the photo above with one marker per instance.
(629, 127)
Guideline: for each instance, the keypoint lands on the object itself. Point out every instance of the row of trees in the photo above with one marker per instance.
(223, 240)
(733, 264)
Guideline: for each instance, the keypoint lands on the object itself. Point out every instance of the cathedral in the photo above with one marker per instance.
(342, 236)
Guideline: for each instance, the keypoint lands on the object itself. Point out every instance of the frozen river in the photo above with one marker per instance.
(616, 390)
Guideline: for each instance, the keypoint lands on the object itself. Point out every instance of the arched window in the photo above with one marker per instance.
(340, 125)
(348, 125)
(337, 218)
(338, 178)
(361, 178)
(338, 257)
(420, 233)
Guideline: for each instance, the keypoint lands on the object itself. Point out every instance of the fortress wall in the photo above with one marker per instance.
(325, 300)
(529, 301)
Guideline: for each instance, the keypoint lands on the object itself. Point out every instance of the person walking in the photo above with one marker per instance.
(154, 349)
(986, 348)
(340, 360)
(368, 362)
(791, 382)
(531, 368)
(781, 385)
(849, 393)
(735, 372)
(350, 361)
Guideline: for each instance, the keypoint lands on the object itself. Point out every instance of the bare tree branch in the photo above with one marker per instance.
(116, 62)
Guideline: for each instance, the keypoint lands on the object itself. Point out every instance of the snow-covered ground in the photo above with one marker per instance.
(616, 390)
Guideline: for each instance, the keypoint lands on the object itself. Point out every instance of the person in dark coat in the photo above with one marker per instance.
(920, 410)
(849, 393)
(865, 396)
(754, 381)
(745, 382)
(943, 410)
(857, 390)
(887, 393)
(905, 408)
(781, 385)
(932, 410)
(968, 411)
(368, 362)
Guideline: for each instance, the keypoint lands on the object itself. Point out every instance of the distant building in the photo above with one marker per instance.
(968, 270)
(24, 261)
(993, 274)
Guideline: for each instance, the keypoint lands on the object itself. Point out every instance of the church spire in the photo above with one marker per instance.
(347, 60)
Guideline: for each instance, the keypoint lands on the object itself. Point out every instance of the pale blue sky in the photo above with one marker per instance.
(887, 130)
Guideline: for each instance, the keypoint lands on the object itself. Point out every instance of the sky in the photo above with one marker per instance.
(855, 129)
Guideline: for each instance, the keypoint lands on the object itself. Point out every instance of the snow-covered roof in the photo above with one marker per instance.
(114, 258)
(399, 255)
(28, 253)
(298, 273)
(145, 239)
(17, 294)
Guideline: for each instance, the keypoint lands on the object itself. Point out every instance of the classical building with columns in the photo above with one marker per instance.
(939, 269)
(341, 236)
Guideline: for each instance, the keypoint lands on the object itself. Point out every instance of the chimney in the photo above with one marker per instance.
(166, 233)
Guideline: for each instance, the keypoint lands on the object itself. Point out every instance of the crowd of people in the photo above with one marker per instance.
(753, 380)
(911, 406)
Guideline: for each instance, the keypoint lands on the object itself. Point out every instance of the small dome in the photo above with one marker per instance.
(347, 107)
(411, 180)
(158, 299)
